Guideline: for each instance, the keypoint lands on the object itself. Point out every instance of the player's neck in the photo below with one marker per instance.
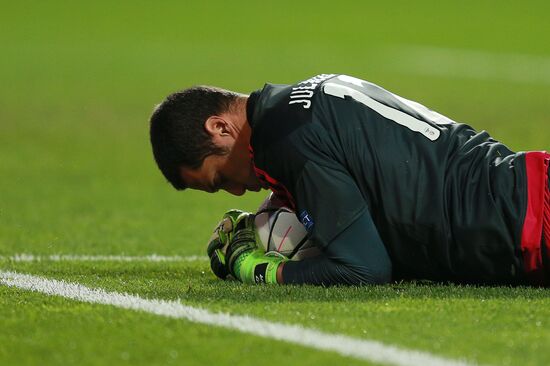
(239, 117)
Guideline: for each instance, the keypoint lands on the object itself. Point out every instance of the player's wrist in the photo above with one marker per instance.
(280, 272)
(254, 266)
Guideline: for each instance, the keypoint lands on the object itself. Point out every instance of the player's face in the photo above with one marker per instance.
(232, 172)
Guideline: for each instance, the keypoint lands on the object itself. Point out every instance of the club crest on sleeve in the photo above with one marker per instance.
(306, 220)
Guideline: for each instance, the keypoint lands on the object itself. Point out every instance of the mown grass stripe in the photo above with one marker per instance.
(23, 257)
(472, 64)
(344, 345)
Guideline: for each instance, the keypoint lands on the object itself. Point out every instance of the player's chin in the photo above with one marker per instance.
(254, 188)
(239, 192)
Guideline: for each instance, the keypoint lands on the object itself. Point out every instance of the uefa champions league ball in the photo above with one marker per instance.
(280, 231)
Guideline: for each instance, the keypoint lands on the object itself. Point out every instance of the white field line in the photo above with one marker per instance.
(101, 258)
(344, 345)
(435, 61)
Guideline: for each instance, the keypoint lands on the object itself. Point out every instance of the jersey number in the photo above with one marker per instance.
(399, 117)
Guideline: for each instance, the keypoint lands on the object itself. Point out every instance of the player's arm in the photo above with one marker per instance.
(234, 250)
(356, 256)
(340, 224)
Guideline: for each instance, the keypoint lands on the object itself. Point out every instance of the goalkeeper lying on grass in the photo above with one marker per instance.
(386, 188)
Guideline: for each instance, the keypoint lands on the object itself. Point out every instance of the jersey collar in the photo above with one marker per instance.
(250, 105)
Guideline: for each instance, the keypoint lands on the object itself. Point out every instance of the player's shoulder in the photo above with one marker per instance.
(303, 93)
(283, 135)
(281, 99)
(279, 110)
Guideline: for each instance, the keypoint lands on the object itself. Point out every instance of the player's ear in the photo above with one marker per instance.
(216, 126)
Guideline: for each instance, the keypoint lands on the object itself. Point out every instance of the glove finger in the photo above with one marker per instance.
(225, 230)
(244, 221)
(230, 219)
(217, 264)
(247, 234)
(213, 245)
(216, 232)
(234, 251)
(226, 225)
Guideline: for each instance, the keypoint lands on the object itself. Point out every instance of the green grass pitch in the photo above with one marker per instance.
(77, 84)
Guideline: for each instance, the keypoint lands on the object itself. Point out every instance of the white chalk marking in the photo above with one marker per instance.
(472, 64)
(22, 257)
(344, 345)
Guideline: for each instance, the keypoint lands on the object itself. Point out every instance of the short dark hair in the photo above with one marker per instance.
(177, 132)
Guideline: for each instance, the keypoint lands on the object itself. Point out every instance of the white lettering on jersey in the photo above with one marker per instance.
(303, 93)
(306, 103)
(419, 108)
(399, 117)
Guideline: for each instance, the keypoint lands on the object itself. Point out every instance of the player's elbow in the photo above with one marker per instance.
(373, 275)
(382, 276)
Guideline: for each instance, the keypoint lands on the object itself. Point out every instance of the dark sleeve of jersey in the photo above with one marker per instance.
(332, 208)
(327, 200)
(355, 257)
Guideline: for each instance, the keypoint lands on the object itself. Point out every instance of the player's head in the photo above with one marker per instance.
(200, 140)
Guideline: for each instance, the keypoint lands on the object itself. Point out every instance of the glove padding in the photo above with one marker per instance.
(255, 266)
(225, 230)
(247, 261)
(233, 250)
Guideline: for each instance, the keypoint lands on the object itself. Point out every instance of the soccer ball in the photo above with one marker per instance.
(280, 231)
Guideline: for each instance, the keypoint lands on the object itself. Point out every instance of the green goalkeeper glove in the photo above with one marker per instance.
(219, 241)
(247, 261)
